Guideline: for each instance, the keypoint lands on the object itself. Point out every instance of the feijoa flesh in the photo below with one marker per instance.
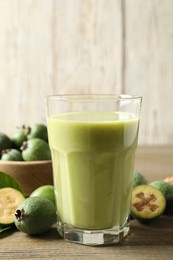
(10, 199)
(147, 203)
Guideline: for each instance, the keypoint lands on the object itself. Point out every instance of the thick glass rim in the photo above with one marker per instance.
(73, 97)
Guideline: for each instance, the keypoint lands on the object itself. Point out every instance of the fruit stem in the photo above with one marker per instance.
(24, 146)
(27, 129)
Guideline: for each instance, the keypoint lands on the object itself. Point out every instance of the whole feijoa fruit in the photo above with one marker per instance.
(38, 131)
(138, 179)
(45, 191)
(19, 136)
(5, 142)
(167, 190)
(11, 155)
(35, 215)
(35, 150)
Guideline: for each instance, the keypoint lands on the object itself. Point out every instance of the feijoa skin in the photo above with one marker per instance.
(35, 150)
(138, 179)
(11, 155)
(5, 142)
(19, 136)
(45, 191)
(167, 189)
(147, 203)
(38, 131)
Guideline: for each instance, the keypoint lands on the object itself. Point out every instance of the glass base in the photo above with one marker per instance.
(93, 237)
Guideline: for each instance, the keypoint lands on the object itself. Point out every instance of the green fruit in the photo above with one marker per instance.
(35, 215)
(167, 189)
(10, 199)
(19, 136)
(11, 155)
(7, 180)
(138, 179)
(46, 191)
(147, 203)
(35, 149)
(5, 142)
(38, 131)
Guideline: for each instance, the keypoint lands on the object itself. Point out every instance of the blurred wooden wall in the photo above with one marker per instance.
(87, 46)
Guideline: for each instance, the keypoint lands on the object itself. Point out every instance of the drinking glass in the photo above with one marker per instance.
(93, 139)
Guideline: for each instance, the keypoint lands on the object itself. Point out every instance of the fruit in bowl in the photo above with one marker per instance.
(26, 156)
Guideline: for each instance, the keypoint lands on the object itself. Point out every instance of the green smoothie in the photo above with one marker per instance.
(93, 159)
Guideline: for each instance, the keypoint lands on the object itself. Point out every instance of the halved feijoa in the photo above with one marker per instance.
(10, 199)
(147, 203)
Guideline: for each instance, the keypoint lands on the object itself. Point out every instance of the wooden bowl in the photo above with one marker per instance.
(30, 175)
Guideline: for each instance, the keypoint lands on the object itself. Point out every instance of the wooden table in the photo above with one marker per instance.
(151, 241)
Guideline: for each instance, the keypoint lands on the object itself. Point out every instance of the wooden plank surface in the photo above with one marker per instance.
(56, 47)
(26, 61)
(155, 162)
(149, 64)
(88, 46)
(151, 241)
(73, 46)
